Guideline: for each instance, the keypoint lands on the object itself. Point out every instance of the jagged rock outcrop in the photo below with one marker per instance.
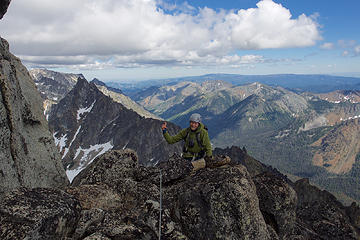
(210, 204)
(323, 216)
(120, 199)
(38, 213)
(3, 7)
(28, 156)
(278, 201)
(213, 203)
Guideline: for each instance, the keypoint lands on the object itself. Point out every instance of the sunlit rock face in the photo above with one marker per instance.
(28, 156)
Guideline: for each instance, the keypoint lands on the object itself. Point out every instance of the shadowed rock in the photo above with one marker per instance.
(210, 204)
(278, 202)
(3, 7)
(120, 199)
(323, 214)
(38, 214)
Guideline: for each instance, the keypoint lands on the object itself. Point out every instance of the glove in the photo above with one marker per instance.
(163, 127)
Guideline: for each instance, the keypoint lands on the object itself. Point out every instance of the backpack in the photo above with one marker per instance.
(198, 139)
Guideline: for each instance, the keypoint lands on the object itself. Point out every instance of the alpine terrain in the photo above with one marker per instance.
(280, 127)
(123, 194)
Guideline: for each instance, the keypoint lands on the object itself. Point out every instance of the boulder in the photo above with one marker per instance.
(174, 169)
(38, 213)
(321, 215)
(278, 201)
(218, 203)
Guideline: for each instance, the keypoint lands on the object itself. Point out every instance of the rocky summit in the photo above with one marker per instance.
(116, 198)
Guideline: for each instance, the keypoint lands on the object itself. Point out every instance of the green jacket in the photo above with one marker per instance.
(204, 138)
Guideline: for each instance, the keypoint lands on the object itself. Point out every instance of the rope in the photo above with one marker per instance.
(160, 205)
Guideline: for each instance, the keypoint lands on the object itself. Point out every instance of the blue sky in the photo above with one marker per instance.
(126, 40)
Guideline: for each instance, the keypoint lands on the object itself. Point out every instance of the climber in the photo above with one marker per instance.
(197, 143)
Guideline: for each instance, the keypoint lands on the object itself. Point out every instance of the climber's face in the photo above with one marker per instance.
(194, 125)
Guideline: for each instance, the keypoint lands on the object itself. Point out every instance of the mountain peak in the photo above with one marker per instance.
(98, 82)
(3, 7)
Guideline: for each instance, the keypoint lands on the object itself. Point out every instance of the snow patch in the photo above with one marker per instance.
(87, 157)
(81, 111)
(350, 118)
(67, 149)
(77, 132)
(125, 145)
(60, 142)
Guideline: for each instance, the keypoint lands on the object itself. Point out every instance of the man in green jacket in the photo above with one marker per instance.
(197, 142)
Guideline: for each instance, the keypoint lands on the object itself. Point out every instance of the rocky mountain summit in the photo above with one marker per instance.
(53, 86)
(86, 123)
(28, 156)
(116, 198)
(3, 7)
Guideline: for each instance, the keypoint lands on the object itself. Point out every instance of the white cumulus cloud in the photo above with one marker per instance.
(135, 33)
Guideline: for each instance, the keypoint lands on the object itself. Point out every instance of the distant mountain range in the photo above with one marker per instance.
(297, 132)
(280, 127)
(296, 82)
(338, 96)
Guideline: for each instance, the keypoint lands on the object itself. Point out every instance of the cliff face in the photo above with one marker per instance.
(28, 156)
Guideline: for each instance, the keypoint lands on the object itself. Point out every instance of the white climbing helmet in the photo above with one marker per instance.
(195, 117)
